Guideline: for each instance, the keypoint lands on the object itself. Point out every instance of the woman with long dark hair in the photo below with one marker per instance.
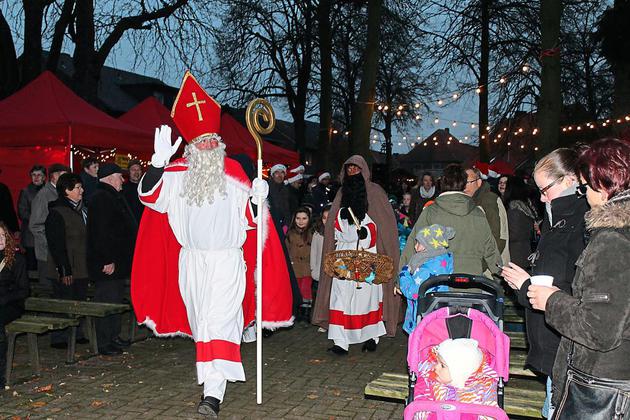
(591, 371)
(522, 216)
(13, 290)
(298, 241)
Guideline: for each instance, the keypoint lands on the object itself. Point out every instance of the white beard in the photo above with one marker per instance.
(205, 174)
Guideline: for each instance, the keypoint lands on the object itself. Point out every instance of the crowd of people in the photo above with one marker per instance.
(570, 220)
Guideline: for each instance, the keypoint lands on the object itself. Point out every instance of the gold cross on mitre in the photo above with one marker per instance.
(196, 104)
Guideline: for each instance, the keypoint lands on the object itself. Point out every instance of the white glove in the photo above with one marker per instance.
(163, 150)
(260, 188)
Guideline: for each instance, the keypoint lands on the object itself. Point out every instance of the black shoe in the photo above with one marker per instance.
(209, 406)
(369, 345)
(267, 333)
(110, 350)
(82, 340)
(338, 350)
(62, 345)
(120, 343)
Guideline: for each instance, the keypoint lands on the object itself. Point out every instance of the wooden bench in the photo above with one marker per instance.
(77, 309)
(522, 397)
(32, 326)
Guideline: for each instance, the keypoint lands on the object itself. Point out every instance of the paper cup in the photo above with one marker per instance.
(542, 280)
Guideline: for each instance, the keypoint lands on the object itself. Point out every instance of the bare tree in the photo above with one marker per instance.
(613, 31)
(266, 48)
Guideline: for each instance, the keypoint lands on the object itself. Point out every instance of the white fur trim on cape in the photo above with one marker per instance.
(149, 323)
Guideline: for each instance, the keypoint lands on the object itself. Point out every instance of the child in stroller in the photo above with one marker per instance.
(431, 258)
(457, 370)
(468, 342)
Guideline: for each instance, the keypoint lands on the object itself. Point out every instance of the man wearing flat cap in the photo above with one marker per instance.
(111, 233)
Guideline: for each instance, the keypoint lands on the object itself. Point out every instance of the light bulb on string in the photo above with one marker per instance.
(417, 105)
(418, 117)
(478, 90)
(385, 108)
(436, 121)
(472, 125)
(400, 107)
(455, 96)
(380, 107)
(502, 80)
(440, 102)
(525, 68)
(454, 123)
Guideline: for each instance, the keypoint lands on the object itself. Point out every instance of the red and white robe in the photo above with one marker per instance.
(356, 313)
(202, 292)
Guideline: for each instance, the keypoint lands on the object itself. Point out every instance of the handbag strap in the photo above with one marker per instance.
(3, 263)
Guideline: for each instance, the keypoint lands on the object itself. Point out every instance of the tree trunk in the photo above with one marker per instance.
(550, 100)
(325, 96)
(364, 107)
(9, 74)
(85, 83)
(60, 29)
(387, 133)
(621, 94)
(32, 56)
(484, 133)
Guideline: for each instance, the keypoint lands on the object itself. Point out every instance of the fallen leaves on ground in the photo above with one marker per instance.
(316, 361)
(312, 396)
(38, 404)
(45, 388)
(97, 403)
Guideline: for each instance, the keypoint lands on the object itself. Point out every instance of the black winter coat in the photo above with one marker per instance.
(559, 247)
(595, 321)
(66, 237)
(13, 282)
(111, 233)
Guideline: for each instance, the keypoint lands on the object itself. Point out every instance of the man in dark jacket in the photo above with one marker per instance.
(279, 196)
(89, 178)
(111, 235)
(130, 189)
(28, 193)
(323, 194)
(7, 211)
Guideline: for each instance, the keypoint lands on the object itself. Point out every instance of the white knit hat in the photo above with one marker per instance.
(462, 357)
(277, 167)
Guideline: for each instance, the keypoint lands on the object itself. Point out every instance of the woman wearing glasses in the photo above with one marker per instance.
(591, 372)
(561, 243)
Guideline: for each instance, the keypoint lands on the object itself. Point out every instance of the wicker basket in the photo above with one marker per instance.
(358, 265)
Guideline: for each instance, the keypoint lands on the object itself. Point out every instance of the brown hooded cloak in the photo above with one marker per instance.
(382, 214)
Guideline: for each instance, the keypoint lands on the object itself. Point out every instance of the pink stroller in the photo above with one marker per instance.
(460, 315)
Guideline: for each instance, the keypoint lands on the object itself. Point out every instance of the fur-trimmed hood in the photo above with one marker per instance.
(615, 214)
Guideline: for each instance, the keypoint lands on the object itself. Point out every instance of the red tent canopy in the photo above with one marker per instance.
(40, 122)
(47, 113)
(150, 113)
(238, 140)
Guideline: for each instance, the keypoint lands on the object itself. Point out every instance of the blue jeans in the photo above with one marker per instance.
(548, 408)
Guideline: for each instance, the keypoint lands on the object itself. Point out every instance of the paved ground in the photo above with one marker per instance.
(156, 379)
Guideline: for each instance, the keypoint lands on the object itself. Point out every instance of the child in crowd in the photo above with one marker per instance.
(317, 245)
(298, 241)
(457, 370)
(431, 259)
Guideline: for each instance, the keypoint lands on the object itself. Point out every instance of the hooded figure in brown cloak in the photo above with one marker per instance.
(381, 212)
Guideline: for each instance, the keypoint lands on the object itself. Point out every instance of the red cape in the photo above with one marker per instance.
(154, 276)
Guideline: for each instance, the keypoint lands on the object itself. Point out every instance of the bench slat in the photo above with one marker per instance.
(517, 340)
(74, 307)
(26, 327)
(53, 322)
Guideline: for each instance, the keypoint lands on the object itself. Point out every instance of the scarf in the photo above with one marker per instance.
(79, 208)
(427, 194)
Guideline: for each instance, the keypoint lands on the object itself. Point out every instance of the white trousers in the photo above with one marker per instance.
(212, 285)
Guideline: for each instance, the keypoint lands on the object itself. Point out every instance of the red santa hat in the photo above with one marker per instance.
(323, 175)
(501, 168)
(300, 169)
(485, 170)
(294, 178)
(277, 167)
(195, 113)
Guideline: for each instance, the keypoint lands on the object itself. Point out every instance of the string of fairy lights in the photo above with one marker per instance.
(502, 130)
(102, 155)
